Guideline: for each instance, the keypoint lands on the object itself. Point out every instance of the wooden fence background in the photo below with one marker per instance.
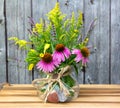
(104, 65)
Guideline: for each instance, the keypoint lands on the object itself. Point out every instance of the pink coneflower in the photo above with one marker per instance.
(47, 63)
(78, 54)
(61, 52)
(81, 55)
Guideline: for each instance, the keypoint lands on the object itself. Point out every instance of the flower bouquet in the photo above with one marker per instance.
(55, 47)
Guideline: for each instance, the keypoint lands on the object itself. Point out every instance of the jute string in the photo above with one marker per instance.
(39, 83)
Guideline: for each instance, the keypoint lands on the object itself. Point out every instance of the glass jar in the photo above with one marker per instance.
(60, 86)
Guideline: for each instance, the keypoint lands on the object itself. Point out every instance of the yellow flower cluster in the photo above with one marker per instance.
(55, 15)
(38, 28)
(32, 50)
(13, 38)
(21, 43)
(52, 14)
(80, 18)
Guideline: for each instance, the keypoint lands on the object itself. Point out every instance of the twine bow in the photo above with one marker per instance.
(39, 83)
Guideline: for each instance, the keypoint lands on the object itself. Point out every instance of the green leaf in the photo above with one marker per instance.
(68, 80)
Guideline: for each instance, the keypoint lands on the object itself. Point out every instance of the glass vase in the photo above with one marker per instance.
(60, 86)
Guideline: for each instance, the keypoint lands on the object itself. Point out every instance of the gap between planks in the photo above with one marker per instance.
(85, 86)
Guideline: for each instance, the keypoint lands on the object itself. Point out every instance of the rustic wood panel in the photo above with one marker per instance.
(104, 62)
(2, 44)
(17, 12)
(115, 41)
(98, 67)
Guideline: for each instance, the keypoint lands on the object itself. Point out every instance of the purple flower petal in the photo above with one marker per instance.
(48, 67)
(67, 52)
(62, 55)
(78, 55)
(59, 56)
(84, 60)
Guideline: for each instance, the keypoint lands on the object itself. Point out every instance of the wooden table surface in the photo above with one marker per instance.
(91, 96)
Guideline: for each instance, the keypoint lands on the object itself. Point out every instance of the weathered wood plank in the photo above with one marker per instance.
(85, 86)
(2, 44)
(17, 24)
(39, 10)
(91, 96)
(67, 7)
(85, 99)
(98, 67)
(83, 92)
(66, 105)
(115, 42)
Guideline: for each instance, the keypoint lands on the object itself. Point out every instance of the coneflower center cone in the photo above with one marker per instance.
(85, 52)
(47, 57)
(59, 47)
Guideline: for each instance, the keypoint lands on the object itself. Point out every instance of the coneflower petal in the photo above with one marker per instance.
(47, 66)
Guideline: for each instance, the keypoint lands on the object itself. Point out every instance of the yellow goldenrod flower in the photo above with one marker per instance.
(87, 39)
(38, 28)
(76, 31)
(55, 15)
(73, 18)
(55, 10)
(41, 55)
(47, 46)
(37, 25)
(13, 38)
(81, 18)
(21, 43)
(32, 50)
(30, 67)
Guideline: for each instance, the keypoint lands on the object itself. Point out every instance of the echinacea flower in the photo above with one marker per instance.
(81, 55)
(47, 63)
(78, 54)
(61, 52)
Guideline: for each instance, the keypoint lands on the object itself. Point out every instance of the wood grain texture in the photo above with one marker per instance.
(2, 44)
(115, 42)
(17, 25)
(70, 105)
(98, 67)
(103, 66)
(91, 96)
